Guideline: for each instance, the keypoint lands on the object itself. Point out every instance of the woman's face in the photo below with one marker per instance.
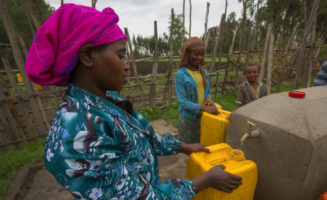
(110, 67)
(196, 57)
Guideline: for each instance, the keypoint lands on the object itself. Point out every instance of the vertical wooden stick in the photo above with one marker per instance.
(263, 63)
(270, 61)
(183, 33)
(134, 64)
(18, 57)
(169, 74)
(206, 35)
(154, 67)
(189, 34)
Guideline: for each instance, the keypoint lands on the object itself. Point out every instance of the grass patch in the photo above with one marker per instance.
(227, 101)
(169, 113)
(12, 160)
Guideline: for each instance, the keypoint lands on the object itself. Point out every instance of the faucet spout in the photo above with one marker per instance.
(244, 137)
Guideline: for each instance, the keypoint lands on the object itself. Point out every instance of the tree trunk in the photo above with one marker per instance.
(18, 57)
(237, 69)
(20, 106)
(231, 49)
(213, 60)
(221, 34)
(313, 38)
(134, 64)
(189, 34)
(285, 59)
(255, 27)
(242, 43)
(154, 67)
(230, 53)
(263, 63)
(169, 74)
(14, 127)
(206, 38)
(183, 33)
(303, 44)
(13, 111)
(270, 61)
(38, 99)
(94, 2)
(31, 14)
(305, 10)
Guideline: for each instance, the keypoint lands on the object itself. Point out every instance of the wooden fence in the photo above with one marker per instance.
(26, 115)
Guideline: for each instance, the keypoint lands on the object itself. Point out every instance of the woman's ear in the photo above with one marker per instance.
(86, 55)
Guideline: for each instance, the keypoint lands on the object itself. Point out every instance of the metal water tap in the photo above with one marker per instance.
(252, 132)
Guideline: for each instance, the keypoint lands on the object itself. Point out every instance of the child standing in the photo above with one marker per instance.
(251, 89)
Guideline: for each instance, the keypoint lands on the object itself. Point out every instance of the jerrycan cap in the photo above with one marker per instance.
(296, 94)
(236, 154)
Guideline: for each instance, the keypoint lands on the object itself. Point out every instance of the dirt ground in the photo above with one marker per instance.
(34, 182)
(38, 183)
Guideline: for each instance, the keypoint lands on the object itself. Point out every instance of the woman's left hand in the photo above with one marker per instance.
(190, 148)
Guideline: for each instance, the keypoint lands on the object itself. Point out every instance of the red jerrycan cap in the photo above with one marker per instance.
(323, 196)
(296, 94)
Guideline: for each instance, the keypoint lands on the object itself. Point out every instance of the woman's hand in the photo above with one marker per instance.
(196, 147)
(210, 109)
(217, 178)
(223, 180)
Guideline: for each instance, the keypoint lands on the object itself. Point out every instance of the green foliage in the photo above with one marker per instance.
(169, 113)
(144, 46)
(21, 24)
(226, 101)
(12, 160)
(177, 33)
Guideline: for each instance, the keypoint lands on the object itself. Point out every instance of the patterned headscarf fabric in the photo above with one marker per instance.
(54, 51)
(193, 43)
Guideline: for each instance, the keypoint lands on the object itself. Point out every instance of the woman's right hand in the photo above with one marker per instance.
(217, 178)
(223, 180)
(210, 109)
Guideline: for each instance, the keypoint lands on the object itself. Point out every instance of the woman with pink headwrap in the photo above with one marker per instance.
(98, 147)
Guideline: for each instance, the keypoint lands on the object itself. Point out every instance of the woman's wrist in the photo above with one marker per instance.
(201, 182)
(184, 148)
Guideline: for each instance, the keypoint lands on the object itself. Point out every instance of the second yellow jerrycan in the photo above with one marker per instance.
(214, 127)
(235, 163)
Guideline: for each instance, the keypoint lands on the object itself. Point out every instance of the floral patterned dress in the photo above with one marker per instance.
(96, 150)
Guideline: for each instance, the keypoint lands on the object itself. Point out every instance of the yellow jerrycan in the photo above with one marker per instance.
(235, 163)
(214, 127)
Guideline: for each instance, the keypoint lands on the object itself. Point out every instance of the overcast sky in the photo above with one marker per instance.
(138, 15)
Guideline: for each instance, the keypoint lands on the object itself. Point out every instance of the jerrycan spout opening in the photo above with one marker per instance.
(236, 154)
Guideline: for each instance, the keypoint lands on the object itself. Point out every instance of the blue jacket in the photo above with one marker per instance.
(186, 91)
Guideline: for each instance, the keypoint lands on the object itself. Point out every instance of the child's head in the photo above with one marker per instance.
(192, 52)
(58, 44)
(252, 72)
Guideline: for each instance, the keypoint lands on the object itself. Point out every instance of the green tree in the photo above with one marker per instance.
(21, 24)
(144, 46)
(177, 33)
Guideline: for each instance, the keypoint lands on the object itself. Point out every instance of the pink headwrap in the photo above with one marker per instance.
(54, 51)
